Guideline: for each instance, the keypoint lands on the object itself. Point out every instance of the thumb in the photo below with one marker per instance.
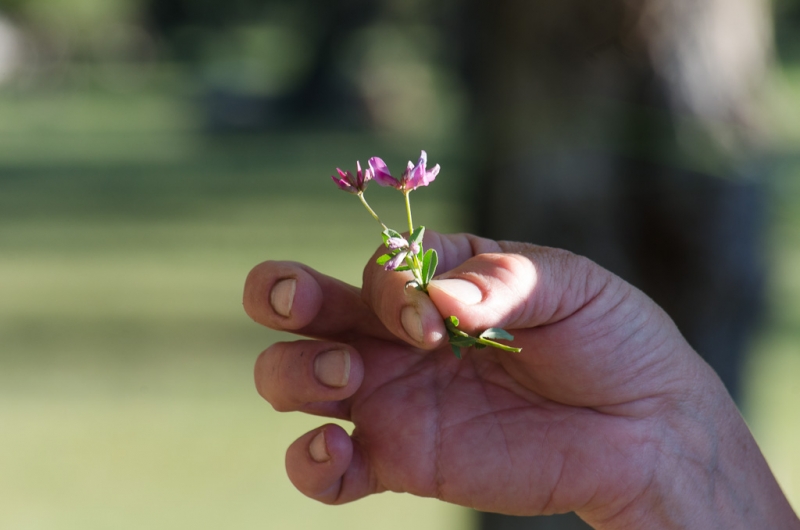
(524, 287)
(596, 337)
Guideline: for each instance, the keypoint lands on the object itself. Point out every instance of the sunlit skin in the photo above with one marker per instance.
(606, 411)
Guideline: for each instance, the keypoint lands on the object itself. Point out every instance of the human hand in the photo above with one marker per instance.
(604, 402)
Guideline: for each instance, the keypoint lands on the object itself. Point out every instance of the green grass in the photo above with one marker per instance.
(126, 395)
(126, 382)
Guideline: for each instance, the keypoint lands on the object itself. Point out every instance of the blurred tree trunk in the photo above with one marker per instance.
(626, 132)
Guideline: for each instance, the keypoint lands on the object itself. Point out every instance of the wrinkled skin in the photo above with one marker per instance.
(593, 416)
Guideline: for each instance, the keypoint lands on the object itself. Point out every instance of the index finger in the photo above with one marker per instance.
(290, 296)
(406, 312)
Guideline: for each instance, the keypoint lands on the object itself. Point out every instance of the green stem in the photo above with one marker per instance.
(416, 269)
(408, 211)
(453, 329)
(370, 210)
(493, 344)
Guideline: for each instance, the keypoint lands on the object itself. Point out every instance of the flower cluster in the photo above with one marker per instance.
(403, 248)
(412, 178)
(407, 254)
(403, 255)
(356, 185)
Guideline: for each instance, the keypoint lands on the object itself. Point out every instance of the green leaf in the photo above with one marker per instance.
(388, 233)
(415, 269)
(426, 264)
(402, 268)
(383, 259)
(459, 339)
(463, 342)
(496, 333)
(429, 263)
(416, 236)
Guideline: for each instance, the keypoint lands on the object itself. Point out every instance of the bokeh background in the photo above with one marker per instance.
(153, 151)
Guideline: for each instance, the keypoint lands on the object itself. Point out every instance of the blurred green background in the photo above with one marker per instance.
(149, 159)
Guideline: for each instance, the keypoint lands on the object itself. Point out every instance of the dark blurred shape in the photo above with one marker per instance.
(265, 65)
(627, 132)
(496, 521)
(598, 138)
(787, 30)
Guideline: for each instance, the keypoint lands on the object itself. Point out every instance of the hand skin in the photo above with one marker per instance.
(607, 411)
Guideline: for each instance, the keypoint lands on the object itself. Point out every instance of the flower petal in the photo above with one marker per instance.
(396, 261)
(344, 185)
(416, 177)
(361, 177)
(380, 172)
(419, 175)
(395, 243)
(431, 175)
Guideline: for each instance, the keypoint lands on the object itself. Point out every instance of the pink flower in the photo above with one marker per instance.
(356, 185)
(413, 177)
(381, 172)
(418, 175)
(401, 244)
(394, 243)
(396, 261)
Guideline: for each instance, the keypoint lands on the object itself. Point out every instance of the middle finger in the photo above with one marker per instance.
(309, 376)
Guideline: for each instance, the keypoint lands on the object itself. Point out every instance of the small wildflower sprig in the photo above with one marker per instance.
(408, 254)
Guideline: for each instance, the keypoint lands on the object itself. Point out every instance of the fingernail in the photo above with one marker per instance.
(332, 368)
(318, 449)
(282, 296)
(412, 323)
(462, 290)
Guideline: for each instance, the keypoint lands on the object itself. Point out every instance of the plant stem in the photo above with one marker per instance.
(370, 210)
(453, 331)
(493, 344)
(416, 269)
(408, 211)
